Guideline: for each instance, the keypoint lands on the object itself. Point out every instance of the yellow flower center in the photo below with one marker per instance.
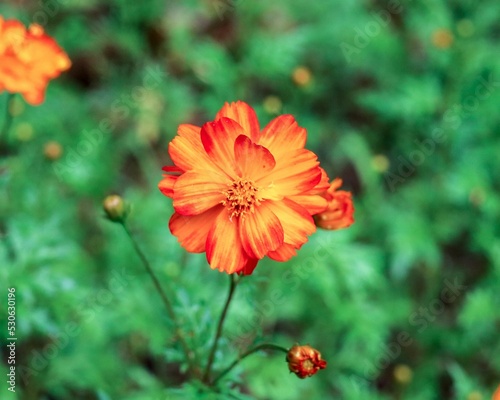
(308, 365)
(241, 197)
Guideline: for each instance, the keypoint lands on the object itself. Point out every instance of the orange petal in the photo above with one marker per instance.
(322, 185)
(294, 174)
(186, 149)
(283, 253)
(283, 134)
(166, 185)
(190, 131)
(336, 183)
(496, 395)
(218, 140)
(244, 115)
(249, 266)
(224, 249)
(261, 231)
(192, 231)
(172, 169)
(297, 223)
(252, 160)
(198, 191)
(313, 204)
(34, 97)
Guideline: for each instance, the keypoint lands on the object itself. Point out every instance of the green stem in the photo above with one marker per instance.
(232, 287)
(268, 346)
(8, 119)
(164, 297)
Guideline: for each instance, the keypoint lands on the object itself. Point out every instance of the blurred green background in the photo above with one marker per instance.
(400, 100)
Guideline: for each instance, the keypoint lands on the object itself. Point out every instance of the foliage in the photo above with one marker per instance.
(401, 104)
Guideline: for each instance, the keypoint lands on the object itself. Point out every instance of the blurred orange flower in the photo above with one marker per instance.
(240, 193)
(28, 60)
(304, 361)
(496, 395)
(442, 38)
(340, 209)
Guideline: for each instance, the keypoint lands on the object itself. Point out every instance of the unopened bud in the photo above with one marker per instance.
(272, 105)
(304, 361)
(475, 395)
(301, 76)
(115, 208)
(403, 374)
(52, 150)
(442, 38)
(339, 211)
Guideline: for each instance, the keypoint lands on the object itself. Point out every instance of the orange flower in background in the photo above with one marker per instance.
(28, 60)
(241, 193)
(340, 209)
(304, 361)
(496, 395)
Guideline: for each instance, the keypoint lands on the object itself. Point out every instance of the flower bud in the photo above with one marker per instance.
(475, 395)
(301, 76)
(339, 211)
(304, 361)
(272, 105)
(52, 150)
(115, 208)
(403, 374)
(442, 38)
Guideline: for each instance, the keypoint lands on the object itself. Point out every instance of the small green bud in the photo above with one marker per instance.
(115, 207)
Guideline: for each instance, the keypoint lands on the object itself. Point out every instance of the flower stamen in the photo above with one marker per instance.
(241, 197)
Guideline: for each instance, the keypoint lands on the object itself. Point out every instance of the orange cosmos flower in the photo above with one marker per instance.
(28, 60)
(304, 361)
(496, 395)
(340, 209)
(240, 193)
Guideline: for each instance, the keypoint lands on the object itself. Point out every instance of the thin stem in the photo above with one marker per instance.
(163, 295)
(222, 317)
(8, 118)
(263, 346)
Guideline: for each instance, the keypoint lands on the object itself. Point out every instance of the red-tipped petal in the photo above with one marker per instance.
(172, 169)
(296, 221)
(299, 172)
(198, 191)
(186, 149)
(283, 134)
(224, 249)
(322, 185)
(249, 266)
(261, 231)
(218, 141)
(192, 231)
(252, 160)
(244, 115)
(191, 132)
(314, 204)
(283, 253)
(166, 185)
